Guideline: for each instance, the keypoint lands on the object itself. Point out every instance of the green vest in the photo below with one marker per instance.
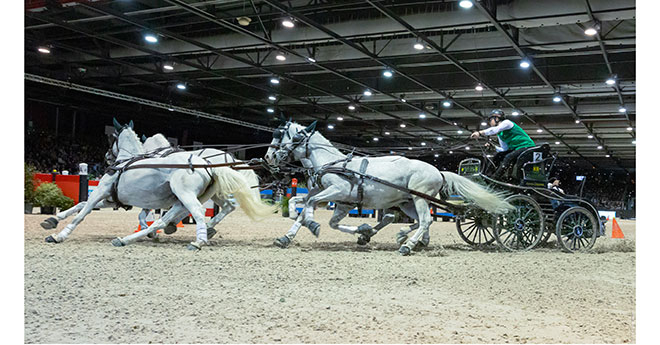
(515, 138)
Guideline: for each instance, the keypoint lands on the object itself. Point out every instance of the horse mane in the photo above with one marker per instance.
(156, 141)
(137, 142)
(319, 139)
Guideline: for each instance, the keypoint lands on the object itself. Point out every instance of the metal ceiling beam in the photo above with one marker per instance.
(491, 18)
(269, 42)
(244, 61)
(184, 62)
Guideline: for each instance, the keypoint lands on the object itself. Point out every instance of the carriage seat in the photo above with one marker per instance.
(531, 166)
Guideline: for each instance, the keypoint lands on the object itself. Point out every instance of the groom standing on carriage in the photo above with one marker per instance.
(513, 140)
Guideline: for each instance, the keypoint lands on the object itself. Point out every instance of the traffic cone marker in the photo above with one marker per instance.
(616, 230)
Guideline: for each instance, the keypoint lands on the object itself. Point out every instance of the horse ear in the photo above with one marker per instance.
(282, 118)
(144, 138)
(311, 128)
(130, 124)
(116, 123)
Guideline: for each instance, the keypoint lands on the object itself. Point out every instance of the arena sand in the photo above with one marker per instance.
(242, 289)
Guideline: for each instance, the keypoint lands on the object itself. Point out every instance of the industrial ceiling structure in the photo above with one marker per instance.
(413, 77)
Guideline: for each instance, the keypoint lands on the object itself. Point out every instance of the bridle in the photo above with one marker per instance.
(285, 150)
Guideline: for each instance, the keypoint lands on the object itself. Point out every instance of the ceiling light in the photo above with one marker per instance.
(591, 30)
(170, 109)
(467, 147)
(331, 126)
(403, 100)
(634, 142)
(450, 152)
(484, 124)
(439, 138)
(629, 129)
(274, 81)
(44, 50)
(387, 133)
(622, 109)
(351, 107)
(608, 156)
(270, 110)
(367, 93)
(387, 73)
(539, 130)
(422, 116)
(418, 46)
(590, 136)
(280, 57)
(557, 143)
(446, 104)
(465, 4)
(311, 59)
(375, 139)
(409, 148)
(272, 98)
(287, 23)
(459, 132)
(556, 98)
(403, 125)
(515, 113)
(423, 143)
(151, 38)
(436, 155)
(524, 64)
(244, 21)
(339, 118)
(577, 121)
(610, 81)
(168, 66)
(181, 86)
(455, 124)
(479, 87)
(600, 147)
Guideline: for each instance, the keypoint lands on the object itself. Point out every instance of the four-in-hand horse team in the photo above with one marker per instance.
(154, 175)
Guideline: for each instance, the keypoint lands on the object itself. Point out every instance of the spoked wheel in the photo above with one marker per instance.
(476, 227)
(522, 228)
(577, 229)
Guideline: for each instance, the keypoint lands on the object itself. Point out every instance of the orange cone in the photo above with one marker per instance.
(616, 230)
(180, 225)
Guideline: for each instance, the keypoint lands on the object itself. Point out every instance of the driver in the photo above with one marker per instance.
(513, 140)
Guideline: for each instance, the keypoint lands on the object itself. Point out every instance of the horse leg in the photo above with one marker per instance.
(97, 197)
(51, 222)
(176, 211)
(226, 207)
(285, 240)
(142, 220)
(409, 210)
(341, 211)
(425, 219)
(187, 187)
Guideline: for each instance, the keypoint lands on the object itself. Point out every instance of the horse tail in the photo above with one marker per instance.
(252, 180)
(490, 201)
(229, 181)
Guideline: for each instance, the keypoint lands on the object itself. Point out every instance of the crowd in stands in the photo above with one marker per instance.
(46, 153)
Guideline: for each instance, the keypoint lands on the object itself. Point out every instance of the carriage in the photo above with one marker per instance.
(540, 212)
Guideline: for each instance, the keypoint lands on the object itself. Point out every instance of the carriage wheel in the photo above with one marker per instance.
(476, 228)
(577, 229)
(522, 228)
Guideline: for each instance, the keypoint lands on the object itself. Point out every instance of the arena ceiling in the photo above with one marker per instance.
(337, 50)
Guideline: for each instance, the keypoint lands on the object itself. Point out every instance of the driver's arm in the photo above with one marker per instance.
(503, 126)
(503, 146)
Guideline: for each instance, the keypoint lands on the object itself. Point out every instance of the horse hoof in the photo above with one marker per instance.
(314, 227)
(401, 238)
(117, 242)
(364, 229)
(50, 239)
(194, 246)
(210, 232)
(421, 245)
(404, 250)
(282, 242)
(169, 229)
(363, 240)
(50, 223)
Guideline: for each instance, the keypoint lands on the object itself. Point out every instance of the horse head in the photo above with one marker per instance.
(288, 140)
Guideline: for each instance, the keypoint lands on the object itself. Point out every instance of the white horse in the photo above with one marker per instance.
(180, 189)
(295, 142)
(159, 145)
